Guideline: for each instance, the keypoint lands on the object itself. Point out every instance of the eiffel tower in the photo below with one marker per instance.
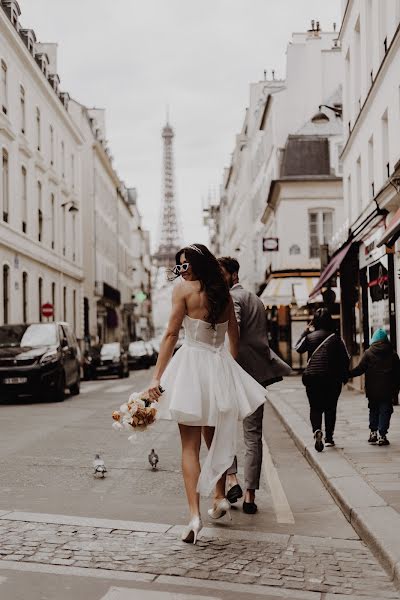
(170, 239)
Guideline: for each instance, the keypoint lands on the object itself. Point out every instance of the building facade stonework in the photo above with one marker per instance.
(67, 220)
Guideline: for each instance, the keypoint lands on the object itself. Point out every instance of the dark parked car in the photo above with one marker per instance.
(111, 359)
(39, 359)
(139, 356)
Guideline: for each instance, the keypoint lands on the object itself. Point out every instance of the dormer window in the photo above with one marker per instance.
(54, 81)
(65, 98)
(43, 62)
(29, 38)
(13, 11)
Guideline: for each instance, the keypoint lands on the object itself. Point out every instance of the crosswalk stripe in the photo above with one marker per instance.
(282, 508)
(90, 387)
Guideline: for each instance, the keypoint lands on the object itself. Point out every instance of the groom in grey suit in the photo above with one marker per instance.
(255, 358)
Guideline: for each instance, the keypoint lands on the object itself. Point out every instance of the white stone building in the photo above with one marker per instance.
(40, 221)
(370, 42)
(255, 202)
(70, 230)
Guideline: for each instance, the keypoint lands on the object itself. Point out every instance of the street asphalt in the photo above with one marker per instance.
(46, 455)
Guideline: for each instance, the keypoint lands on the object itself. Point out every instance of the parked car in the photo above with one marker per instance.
(139, 355)
(110, 359)
(91, 356)
(39, 359)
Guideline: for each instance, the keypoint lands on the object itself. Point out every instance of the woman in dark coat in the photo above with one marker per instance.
(326, 371)
(381, 366)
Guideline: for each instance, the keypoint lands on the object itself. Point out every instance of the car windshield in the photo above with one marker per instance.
(32, 336)
(110, 349)
(137, 347)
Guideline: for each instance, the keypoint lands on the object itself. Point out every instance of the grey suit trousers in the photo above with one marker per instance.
(252, 430)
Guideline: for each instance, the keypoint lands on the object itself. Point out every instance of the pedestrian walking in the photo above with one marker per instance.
(325, 373)
(255, 357)
(206, 391)
(381, 366)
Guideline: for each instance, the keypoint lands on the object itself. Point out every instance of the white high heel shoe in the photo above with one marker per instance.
(222, 507)
(191, 532)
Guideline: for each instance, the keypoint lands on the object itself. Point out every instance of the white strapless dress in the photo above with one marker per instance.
(204, 385)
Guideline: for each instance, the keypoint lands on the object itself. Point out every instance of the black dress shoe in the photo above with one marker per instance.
(250, 508)
(234, 494)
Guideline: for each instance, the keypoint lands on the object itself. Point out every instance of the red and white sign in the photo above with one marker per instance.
(47, 310)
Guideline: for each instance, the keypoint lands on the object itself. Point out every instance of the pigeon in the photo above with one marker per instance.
(99, 466)
(153, 459)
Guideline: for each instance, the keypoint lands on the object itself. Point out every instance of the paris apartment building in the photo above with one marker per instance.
(57, 181)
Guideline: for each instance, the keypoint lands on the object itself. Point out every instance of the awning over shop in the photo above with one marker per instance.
(282, 291)
(331, 268)
(392, 231)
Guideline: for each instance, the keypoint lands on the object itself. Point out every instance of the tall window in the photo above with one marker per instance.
(40, 213)
(64, 230)
(38, 129)
(25, 297)
(3, 87)
(371, 167)
(74, 308)
(40, 289)
(62, 159)
(24, 200)
(5, 187)
(64, 303)
(73, 171)
(53, 299)
(51, 145)
(22, 107)
(385, 146)
(359, 185)
(74, 252)
(53, 220)
(6, 294)
(320, 226)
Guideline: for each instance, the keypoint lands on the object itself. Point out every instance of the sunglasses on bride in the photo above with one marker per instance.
(178, 269)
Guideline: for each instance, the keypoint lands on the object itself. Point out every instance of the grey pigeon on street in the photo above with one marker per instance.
(99, 466)
(153, 459)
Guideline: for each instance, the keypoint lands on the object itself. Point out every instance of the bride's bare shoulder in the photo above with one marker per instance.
(184, 288)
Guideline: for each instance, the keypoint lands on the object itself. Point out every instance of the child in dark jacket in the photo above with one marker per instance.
(381, 366)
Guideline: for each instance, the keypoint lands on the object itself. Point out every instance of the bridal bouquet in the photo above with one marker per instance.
(137, 414)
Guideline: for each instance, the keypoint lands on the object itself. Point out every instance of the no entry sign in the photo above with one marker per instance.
(47, 310)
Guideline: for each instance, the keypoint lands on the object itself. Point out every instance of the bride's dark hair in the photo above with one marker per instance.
(208, 271)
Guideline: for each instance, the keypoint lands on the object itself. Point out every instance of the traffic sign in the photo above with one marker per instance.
(47, 310)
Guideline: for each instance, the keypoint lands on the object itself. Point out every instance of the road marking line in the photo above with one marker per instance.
(88, 388)
(281, 505)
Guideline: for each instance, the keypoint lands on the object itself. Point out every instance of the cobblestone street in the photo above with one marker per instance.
(275, 560)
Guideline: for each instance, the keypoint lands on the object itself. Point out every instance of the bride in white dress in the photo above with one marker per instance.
(205, 390)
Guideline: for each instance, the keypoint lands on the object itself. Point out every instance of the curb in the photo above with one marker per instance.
(377, 524)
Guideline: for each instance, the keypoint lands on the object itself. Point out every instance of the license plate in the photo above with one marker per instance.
(15, 380)
(102, 368)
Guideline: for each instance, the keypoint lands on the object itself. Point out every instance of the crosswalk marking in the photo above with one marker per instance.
(90, 387)
(281, 505)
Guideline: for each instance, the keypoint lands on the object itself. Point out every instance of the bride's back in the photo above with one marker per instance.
(197, 306)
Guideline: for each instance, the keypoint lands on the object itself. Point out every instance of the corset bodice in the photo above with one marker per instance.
(201, 332)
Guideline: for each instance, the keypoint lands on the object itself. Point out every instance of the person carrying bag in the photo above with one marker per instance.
(326, 371)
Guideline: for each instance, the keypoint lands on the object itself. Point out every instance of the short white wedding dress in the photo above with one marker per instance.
(204, 385)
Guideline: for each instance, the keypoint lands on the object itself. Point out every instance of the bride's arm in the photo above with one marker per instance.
(233, 331)
(169, 340)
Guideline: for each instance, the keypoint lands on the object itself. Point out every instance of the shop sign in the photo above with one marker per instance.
(369, 251)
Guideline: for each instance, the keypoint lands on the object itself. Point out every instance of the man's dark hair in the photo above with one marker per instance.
(323, 320)
(230, 264)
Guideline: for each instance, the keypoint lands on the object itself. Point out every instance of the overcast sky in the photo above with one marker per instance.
(133, 57)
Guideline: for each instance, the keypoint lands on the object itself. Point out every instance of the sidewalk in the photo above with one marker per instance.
(363, 479)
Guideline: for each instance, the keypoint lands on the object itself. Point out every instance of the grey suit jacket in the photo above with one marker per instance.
(254, 351)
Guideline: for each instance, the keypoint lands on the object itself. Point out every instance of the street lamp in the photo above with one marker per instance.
(321, 118)
(72, 208)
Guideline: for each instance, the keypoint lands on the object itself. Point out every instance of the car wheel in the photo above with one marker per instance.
(76, 388)
(59, 393)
